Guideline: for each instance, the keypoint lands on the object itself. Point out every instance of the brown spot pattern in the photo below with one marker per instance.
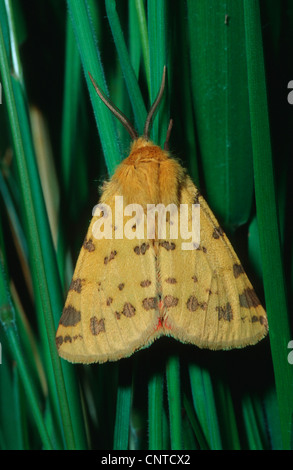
(194, 278)
(170, 301)
(141, 250)
(97, 326)
(144, 247)
(128, 310)
(262, 320)
(218, 232)
(171, 280)
(121, 286)
(77, 337)
(59, 341)
(109, 258)
(249, 299)
(109, 301)
(237, 270)
(225, 312)
(67, 339)
(145, 283)
(150, 303)
(88, 245)
(167, 245)
(70, 316)
(76, 285)
(192, 303)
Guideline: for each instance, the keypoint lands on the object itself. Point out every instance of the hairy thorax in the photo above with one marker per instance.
(147, 176)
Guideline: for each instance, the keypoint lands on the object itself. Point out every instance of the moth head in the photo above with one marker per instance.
(125, 121)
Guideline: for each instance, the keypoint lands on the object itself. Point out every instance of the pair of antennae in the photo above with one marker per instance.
(125, 121)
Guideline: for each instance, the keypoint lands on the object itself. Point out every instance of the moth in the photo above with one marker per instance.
(127, 292)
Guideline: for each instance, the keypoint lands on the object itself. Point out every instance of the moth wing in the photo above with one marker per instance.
(111, 307)
(208, 299)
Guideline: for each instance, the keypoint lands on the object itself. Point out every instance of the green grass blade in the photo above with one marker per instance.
(30, 394)
(7, 319)
(134, 46)
(155, 407)
(272, 418)
(123, 409)
(204, 405)
(220, 99)
(228, 425)
(141, 16)
(157, 31)
(174, 400)
(15, 56)
(37, 228)
(72, 90)
(200, 437)
(267, 218)
(134, 92)
(90, 58)
(251, 425)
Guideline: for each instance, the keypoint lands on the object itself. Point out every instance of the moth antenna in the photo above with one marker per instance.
(120, 116)
(154, 106)
(166, 144)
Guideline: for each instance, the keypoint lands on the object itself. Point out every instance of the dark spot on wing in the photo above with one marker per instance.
(150, 303)
(97, 326)
(237, 270)
(76, 285)
(88, 245)
(109, 258)
(167, 245)
(249, 298)
(145, 283)
(70, 316)
(192, 303)
(170, 301)
(225, 312)
(218, 232)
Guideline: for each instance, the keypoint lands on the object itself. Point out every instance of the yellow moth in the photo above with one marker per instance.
(128, 291)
